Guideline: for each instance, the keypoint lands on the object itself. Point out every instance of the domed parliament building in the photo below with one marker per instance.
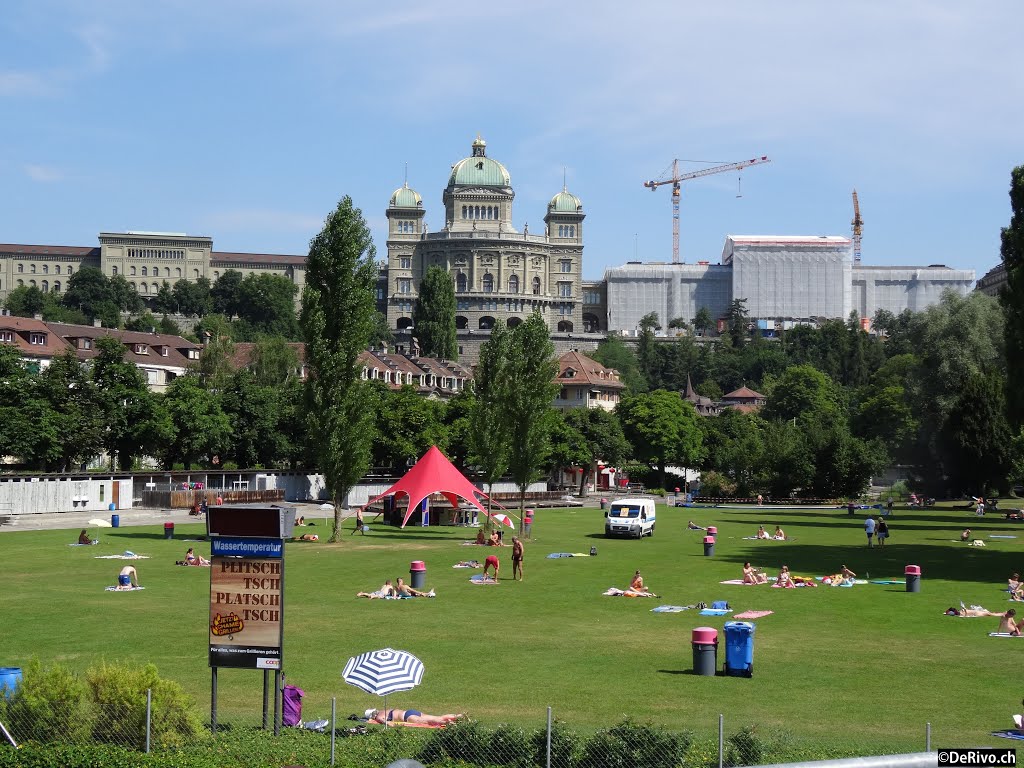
(501, 274)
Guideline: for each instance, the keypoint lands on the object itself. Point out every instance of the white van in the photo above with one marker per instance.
(630, 517)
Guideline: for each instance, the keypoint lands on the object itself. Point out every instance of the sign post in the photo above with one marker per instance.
(246, 627)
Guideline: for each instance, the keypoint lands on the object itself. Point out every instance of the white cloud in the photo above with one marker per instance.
(44, 174)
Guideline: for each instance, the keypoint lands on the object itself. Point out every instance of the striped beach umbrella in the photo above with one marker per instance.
(383, 672)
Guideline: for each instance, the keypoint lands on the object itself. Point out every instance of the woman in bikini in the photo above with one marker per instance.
(191, 558)
(411, 716)
(785, 578)
(1007, 624)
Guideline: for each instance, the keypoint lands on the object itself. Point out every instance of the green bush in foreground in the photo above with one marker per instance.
(49, 705)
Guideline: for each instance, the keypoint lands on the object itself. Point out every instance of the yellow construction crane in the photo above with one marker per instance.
(675, 178)
(858, 227)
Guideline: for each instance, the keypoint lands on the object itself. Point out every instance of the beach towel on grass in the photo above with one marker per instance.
(715, 612)
(670, 609)
(1004, 634)
(122, 589)
(616, 592)
(887, 581)
(92, 543)
(481, 579)
(1010, 734)
(559, 555)
(753, 614)
(733, 581)
(997, 536)
(125, 556)
(467, 565)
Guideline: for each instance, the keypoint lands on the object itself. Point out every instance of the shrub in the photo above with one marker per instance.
(509, 745)
(465, 741)
(716, 484)
(47, 706)
(119, 696)
(745, 747)
(565, 746)
(631, 745)
(899, 491)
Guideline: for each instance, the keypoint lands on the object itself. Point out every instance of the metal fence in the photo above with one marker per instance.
(156, 722)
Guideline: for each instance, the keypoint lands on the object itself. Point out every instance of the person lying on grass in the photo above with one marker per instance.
(191, 558)
(845, 576)
(404, 590)
(752, 575)
(694, 527)
(413, 716)
(385, 591)
(972, 612)
(1008, 625)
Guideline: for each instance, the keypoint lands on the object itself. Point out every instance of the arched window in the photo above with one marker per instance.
(512, 322)
(196, 273)
(177, 271)
(32, 283)
(463, 211)
(46, 269)
(513, 284)
(460, 281)
(403, 323)
(56, 287)
(113, 271)
(536, 286)
(21, 283)
(461, 323)
(56, 270)
(144, 288)
(488, 283)
(156, 288)
(572, 230)
(167, 271)
(21, 267)
(131, 270)
(145, 271)
(486, 323)
(70, 270)
(564, 326)
(32, 268)
(46, 286)
(591, 324)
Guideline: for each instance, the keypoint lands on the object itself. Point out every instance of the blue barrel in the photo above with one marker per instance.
(9, 679)
(115, 521)
(739, 648)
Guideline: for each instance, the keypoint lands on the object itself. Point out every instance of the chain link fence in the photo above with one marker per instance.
(155, 722)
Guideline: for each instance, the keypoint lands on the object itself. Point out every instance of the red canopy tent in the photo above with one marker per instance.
(433, 474)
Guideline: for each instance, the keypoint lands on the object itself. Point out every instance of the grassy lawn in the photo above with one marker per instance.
(863, 666)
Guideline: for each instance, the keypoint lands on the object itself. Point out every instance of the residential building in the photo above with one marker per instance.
(585, 383)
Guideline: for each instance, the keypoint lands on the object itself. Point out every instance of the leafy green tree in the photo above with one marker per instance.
(613, 353)
(603, 439)
(124, 296)
(25, 301)
(72, 398)
(977, 438)
(164, 300)
(407, 426)
(90, 292)
(338, 309)
(734, 445)
(254, 411)
(434, 316)
(226, 293)
(528, 394)
(489, 434)
(29, 428)
(788, 461)
(886, 415)
(193, 298)
(646, 355)
(274, 361)
(1012, 298)
(662, 429)
(678, 323)
(702, 321)
(216, 358)
(800, 391)
(569, 447)
(134, 420)
(737, 321)
(267, 302)
(201, 429)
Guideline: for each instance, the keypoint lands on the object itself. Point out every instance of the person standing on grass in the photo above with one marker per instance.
(888, 507)
(869, 529)
(517, 558)
(359, 522)
(882, 531)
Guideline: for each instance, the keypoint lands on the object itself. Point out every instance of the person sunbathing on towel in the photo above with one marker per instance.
(1007, 624)
(468, 564)
(845, 576)
(306, 537)
(413, 716)
(480, 540)
(785, 578)
(752, 575)
(779, 535)
(637, 583)
(385, 591)
(694, 527)
(404, 590)
(966, 535)
(761, 533)
(128, 578)
(1012, 583)
(83, 538)
(973, 612)
(191, 558)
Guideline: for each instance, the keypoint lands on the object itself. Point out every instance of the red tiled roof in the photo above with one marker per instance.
(50, 250)
(586, 371)
(177, 347)
(22, 329)
(743, 393)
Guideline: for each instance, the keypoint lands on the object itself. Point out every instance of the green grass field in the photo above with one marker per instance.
(863, 666)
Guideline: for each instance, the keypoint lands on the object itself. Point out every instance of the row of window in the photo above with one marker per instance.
(46, 269)
(403, 227)
(567, 230)
(485, 212)
(156, 272)
(44, 286)
(155, 253)
(422, 379)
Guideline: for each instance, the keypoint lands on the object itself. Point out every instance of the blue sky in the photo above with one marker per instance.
(247, 120)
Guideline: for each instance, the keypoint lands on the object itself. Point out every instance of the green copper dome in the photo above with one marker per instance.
(565, 202)
(479, 170)
(406, 198)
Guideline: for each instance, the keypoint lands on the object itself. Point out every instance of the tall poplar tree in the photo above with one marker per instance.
(529, 394)
(488, 434)
(337, 319)
(434, 316)
(1012, 298)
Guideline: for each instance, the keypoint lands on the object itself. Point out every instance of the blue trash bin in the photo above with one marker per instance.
(115, 521)
(739, 648)
(10, 677)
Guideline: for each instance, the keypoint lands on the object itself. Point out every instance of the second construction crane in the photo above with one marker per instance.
(676, 178)
(858, 228)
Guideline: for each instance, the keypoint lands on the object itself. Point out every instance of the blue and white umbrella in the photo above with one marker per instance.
(383, 672)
